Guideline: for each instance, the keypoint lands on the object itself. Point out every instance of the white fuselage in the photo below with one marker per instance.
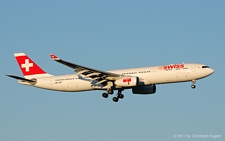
(147, 76)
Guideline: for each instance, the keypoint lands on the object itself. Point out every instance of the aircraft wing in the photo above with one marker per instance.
(101, 76)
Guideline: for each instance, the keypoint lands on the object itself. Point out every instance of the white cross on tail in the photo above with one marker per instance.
(27, 65)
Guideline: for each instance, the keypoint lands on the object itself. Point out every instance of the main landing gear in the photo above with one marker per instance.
(119, 96)
(193, 84)
(105, 95)
(109, 91)
(115, 99)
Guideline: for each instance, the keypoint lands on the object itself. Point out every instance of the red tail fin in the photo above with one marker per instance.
(27, 66)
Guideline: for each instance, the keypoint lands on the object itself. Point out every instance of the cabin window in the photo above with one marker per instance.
(205, 66)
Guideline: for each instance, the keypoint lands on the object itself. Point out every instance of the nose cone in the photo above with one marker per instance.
(211, 71)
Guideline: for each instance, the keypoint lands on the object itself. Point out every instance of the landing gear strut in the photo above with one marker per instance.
(121, 96)
(193, 84)
(110, 91)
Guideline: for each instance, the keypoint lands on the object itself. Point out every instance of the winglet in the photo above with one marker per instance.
(54, 57)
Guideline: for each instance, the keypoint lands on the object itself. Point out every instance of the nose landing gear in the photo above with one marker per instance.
(193, 84)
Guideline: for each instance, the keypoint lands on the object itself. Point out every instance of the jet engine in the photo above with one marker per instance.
(151, 89)
(127, 81)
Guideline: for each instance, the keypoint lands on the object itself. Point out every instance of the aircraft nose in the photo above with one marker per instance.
(211, 71)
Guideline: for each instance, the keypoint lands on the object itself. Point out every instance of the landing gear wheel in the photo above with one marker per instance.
(193, 86)
(121, 96)
(110, 91)
(105, 95)
(115, 99)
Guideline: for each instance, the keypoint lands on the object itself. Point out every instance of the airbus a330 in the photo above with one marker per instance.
(140, 80)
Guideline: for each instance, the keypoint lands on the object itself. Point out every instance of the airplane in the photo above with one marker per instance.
(140, 80)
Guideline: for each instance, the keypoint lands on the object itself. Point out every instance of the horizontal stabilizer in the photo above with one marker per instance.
(21, 78)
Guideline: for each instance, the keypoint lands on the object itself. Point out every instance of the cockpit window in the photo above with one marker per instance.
(205, 66)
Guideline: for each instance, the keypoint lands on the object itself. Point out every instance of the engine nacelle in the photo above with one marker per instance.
(127, 81)
(151, 89)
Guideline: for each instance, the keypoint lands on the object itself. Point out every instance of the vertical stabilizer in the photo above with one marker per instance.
(28, 67)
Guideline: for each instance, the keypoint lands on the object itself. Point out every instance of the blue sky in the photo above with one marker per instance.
(110, 35)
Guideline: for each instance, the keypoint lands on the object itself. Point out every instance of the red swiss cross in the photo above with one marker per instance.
(127, 80)
(27, 65)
